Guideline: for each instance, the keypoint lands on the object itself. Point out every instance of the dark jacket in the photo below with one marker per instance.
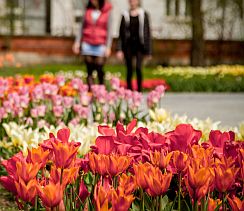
(144, 32)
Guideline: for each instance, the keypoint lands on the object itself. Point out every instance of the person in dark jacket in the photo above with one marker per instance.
(94, 38)
(134, 40)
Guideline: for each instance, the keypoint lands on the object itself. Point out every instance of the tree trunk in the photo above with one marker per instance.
(198, 43)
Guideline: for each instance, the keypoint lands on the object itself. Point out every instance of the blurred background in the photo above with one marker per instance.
(185, 32)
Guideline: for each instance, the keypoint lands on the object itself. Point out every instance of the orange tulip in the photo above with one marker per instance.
(26, 192)
(159, 159)
(112, 165)
(236, 204)
(65, 154)
(26, 171)
(120, 201)
(118, 164)
(179, 161)
(69, 175)
(38, 156)
(51, 195)
(213, 204)
(140, 174)
(152, 179)
(101, 198)
(197, 180)
(127, 184)
(205, 156)
(224, 178)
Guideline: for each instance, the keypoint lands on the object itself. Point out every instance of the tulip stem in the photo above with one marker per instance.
(61, 177)
(36, 203)
(195, 205)
(142, 200)
(223, 202)
(179, 192)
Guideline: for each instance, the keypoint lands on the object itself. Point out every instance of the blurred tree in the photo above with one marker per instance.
(198, 43)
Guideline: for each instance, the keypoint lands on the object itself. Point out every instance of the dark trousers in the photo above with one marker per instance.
(138, 55)
(94, 63)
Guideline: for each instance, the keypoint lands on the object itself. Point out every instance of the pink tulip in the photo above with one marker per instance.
(58, 111)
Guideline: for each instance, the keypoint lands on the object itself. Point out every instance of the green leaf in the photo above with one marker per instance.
(163, 202)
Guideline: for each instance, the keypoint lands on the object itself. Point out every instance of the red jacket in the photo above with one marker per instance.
(96, 33)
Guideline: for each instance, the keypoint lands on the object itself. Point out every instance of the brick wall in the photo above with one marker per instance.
(164, 51)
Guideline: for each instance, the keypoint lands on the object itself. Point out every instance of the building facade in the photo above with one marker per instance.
(170, 19)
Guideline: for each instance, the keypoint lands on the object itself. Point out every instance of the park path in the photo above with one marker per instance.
(227, 107)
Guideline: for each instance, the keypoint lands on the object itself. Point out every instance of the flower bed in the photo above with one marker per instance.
(55, 100)
(223, 78)
(65, 148)
(129, 168)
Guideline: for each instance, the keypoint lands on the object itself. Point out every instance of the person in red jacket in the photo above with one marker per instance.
(94, 39)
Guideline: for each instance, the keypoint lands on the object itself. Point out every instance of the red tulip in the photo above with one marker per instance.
(8, 183)
(83, 192)
(182, 137)
(105, 145)
(10, 164)
(217, 139)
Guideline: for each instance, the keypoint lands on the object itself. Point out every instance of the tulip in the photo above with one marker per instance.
(179, 161)
(127, 184)
(140, 174)
(197, 181)
(101, 198)
(158, 183)
(217, 139)
(67, 175)
(160, 159)
(213, 204)
(26, 192)
(10, 164)
(112, 165)
(51, 195)
(121, 202)
(37, 156)
(98, 163)
(118, 164)
(83, 192)
(224, 178)
(183, 137)
(8, 183)
(152, 179)
(236, 204)
(26, 171)
(204, 156)
(65, 153)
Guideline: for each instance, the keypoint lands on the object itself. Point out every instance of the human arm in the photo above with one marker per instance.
(147, 36)
(119, 48)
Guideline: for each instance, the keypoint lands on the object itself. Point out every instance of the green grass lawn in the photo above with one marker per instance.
(37, 70)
